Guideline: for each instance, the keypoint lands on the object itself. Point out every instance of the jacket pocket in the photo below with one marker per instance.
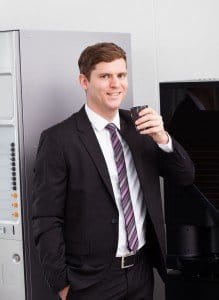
(77, 248)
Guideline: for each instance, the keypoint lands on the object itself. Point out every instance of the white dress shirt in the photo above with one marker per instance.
(139, 206)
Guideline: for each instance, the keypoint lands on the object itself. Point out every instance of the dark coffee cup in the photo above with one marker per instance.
(135, 111)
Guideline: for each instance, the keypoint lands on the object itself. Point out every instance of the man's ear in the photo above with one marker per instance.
(83, 81)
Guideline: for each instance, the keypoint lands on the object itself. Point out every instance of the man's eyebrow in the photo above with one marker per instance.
(107, 73)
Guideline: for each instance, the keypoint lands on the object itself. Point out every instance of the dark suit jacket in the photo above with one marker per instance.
(75, 218)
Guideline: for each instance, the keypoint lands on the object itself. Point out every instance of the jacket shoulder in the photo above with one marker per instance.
(61, 127)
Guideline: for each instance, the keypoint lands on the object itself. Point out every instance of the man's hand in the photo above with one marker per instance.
(64, 292)
(151, 123)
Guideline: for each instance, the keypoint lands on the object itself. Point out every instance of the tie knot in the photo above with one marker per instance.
(111, 127)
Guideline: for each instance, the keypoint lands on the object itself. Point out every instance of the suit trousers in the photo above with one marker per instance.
(133, 283)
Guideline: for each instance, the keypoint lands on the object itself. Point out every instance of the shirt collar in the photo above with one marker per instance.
(98, 122)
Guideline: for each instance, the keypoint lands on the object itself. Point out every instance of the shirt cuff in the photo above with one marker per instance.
(167, 147)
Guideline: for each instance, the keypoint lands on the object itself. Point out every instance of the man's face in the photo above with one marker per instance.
(106, 87)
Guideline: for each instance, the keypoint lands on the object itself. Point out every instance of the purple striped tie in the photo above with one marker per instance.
(126, 202)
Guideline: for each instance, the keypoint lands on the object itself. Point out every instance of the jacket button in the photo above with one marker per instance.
(114, 221)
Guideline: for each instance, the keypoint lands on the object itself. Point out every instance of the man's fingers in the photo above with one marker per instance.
(148, 117)
(151, 130)
(147, 110)
(149, 124)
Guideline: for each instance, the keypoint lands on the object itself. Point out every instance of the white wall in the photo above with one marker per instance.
(135, 17)
(187, 39)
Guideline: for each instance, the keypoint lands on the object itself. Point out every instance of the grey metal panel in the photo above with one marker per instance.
(50, 73)
(6, 99)
(12, 272)
(50, 93)
(11, 242)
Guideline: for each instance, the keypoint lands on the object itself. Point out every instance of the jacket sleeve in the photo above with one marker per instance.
(176, 166)
(49, 192)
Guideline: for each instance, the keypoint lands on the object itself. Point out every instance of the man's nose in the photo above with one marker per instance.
(114, 82)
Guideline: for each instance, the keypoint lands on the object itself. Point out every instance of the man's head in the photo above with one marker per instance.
(103, 76)
(101, 52)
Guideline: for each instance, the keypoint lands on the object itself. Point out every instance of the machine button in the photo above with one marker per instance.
(2, 230)
(16, 258)
(15, 214)
(15, 204)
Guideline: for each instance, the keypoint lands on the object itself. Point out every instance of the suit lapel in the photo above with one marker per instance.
(90, 142)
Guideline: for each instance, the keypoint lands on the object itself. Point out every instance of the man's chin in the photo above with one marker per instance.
(115, 104)
(114, 108)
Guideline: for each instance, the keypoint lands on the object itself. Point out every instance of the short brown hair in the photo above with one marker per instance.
(101, 52)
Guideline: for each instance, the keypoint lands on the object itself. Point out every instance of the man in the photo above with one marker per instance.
(97, 212)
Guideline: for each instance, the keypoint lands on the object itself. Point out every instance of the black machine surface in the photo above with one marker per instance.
(191, 114)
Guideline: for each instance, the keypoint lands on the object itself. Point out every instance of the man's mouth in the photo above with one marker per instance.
(114, 94)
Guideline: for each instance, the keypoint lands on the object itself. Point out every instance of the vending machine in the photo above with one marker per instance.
(38, 88)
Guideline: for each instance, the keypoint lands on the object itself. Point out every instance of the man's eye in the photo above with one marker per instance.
(104, 76)
(122, 75)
